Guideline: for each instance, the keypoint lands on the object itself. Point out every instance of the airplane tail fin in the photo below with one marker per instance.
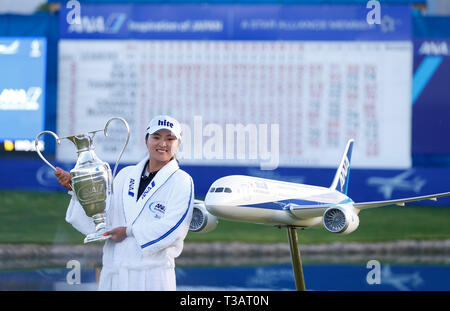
(340, 181)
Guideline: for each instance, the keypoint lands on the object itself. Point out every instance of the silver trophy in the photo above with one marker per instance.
(92, 181)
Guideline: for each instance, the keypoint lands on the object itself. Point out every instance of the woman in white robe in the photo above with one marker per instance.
(147, 227)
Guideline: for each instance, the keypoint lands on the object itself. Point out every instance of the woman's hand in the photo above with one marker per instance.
(117, 234)
(64, 178)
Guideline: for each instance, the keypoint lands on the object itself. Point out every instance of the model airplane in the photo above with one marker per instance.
(279, 203)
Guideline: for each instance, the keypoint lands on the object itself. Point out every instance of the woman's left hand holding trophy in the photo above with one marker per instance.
(64, 178)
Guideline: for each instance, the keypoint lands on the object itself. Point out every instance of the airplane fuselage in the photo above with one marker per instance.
(272, 202)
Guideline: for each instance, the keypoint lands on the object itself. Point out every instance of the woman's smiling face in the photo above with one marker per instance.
(162, 145)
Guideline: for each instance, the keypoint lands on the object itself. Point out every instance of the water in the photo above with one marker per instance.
(320, 277)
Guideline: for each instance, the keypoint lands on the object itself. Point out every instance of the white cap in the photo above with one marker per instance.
(164, 122)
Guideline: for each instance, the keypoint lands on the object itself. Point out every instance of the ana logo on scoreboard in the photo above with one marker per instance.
(19, 99)
(434, 48)
(98, 24)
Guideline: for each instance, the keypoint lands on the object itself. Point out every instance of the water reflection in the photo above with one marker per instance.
(324, 277)
(318, 276)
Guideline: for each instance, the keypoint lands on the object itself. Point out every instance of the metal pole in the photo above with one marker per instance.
(296, 259)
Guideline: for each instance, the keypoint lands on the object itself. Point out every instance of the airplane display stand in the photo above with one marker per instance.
(296, 259)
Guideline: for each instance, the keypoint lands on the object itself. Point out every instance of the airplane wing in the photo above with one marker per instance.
(399, 202)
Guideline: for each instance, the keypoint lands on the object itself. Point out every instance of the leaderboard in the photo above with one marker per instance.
(319, 94)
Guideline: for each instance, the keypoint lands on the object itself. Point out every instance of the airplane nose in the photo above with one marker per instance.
(211, 203)
(217, 200)
(210, 199)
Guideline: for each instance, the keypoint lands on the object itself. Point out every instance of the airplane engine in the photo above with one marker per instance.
(340, 220)
(202, 220)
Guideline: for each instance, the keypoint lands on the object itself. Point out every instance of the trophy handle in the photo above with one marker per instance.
(126, 142)
(39, 152)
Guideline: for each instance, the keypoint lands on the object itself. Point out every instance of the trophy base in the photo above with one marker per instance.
(93, 237)
(99, 220)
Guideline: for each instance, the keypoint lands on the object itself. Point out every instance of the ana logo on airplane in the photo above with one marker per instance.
(344, 172)
(434, 48)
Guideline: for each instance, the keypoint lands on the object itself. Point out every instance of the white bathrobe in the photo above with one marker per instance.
(159, 222)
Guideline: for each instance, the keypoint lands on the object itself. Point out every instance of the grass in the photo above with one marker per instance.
(34, 217)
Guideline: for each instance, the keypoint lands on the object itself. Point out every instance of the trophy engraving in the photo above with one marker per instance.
(92, 180)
